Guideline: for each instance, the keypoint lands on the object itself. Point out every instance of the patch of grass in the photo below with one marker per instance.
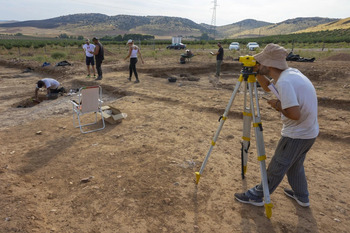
(76, 57)
(151, 54)
(42, 59)
(58, 55)
(317, 53)
(117, 53)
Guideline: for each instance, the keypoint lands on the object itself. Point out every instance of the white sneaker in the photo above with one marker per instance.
(290, 193)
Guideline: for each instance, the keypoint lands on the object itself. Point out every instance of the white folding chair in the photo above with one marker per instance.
(90, 101)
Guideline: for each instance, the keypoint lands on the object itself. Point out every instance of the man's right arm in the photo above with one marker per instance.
(263, 81)
(96, 50)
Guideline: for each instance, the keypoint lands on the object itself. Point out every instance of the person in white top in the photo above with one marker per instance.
(133, 52)
(51, 85)
(297, 105)
(89, 57)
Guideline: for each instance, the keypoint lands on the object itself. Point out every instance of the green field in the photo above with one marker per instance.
(316, 44)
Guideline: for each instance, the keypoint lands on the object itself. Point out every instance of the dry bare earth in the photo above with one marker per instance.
(142, 170)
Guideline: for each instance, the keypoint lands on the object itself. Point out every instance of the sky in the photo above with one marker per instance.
(199, 11)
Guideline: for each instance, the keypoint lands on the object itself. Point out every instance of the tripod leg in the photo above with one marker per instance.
(260, 146)
(222, 121)
(246, 139)
(247, 118)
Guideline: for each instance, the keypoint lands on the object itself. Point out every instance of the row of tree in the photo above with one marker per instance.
(30, 43)
(66, 36)
(335, 36)
(125, 37)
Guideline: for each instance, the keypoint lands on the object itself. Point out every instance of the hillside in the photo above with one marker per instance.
(77, 19)
(285, 27)
(334, 25)
(101, 25)
(7, 21)
(229, 31)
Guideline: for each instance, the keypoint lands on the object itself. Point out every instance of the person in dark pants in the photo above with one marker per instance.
(219, 57)
(133, 52)
(296, 103)
(52, 87)
(99, 57)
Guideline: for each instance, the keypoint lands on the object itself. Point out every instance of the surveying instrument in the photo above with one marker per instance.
(248, 77)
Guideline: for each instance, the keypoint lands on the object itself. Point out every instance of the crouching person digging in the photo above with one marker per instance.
(52, 87)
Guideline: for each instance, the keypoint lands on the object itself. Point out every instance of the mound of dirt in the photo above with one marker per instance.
(55, 71)
(339, 57)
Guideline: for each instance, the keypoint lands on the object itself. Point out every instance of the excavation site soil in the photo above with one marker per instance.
(139, 175)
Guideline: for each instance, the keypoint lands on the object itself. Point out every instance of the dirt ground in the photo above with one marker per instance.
(138, 176)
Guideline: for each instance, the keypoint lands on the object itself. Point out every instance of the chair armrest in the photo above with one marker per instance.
(74, 103)
(76, 106)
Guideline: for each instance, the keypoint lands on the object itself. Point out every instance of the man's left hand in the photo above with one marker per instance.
(273, 103)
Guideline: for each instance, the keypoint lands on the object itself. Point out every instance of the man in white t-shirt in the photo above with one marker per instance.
(89, 49)
(52, 87)
(297, 105)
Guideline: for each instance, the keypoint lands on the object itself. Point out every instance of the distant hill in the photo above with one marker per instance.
(285, 27)
(232, 30)
(334, 25)
(94, 24)
(78, 19)
(8, 21)
(160, 26)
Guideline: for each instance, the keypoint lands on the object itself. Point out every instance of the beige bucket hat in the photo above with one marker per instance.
(273, 55)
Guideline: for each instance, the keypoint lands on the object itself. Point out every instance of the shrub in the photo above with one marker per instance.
(39, 58)
(8, 46)
(58, 55)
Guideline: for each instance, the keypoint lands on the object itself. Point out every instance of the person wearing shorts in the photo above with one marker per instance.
(88, 48)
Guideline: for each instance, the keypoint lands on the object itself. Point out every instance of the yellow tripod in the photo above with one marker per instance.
(247, 77)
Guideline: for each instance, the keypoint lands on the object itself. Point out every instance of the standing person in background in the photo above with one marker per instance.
(89, 48)
(133, 52)
(99, 57)
(219, 57)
